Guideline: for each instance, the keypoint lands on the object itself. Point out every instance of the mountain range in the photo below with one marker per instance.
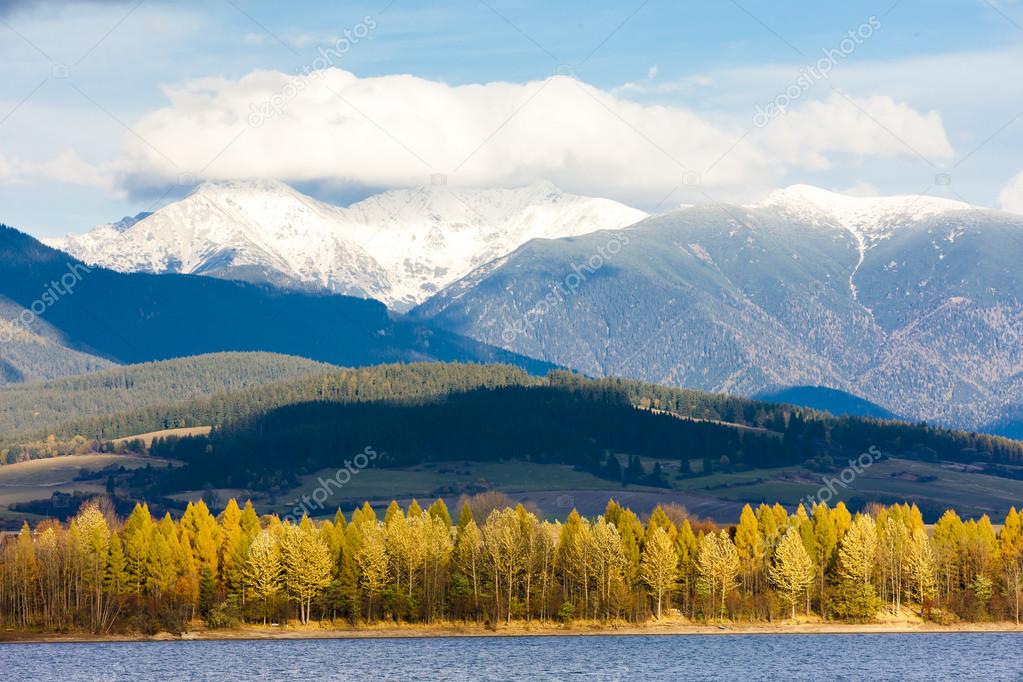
(398, 247)
(911, 302)
(95, 317)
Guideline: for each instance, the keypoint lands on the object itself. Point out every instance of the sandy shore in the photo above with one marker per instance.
(520, 630)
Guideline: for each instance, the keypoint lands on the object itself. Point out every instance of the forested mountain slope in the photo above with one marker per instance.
(915, 303)
(270, 382)
(35, 408)
(34, 351)
(564, 419)
(133, 318)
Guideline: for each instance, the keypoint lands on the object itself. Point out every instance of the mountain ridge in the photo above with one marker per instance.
(913, 308)
(134, 318)
(399, 246)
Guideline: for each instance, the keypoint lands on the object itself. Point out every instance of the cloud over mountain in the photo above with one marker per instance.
(401, 131)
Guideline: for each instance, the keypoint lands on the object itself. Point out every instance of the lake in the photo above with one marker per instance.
(960, 656)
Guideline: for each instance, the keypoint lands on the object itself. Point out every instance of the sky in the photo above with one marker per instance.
(109, 107)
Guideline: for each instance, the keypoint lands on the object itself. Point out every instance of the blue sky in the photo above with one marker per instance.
(109, 108)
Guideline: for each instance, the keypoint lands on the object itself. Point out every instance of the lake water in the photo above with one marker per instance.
(995, 656)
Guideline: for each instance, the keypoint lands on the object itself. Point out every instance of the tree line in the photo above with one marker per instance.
(497, 564)
(248, 388)
(566, 420)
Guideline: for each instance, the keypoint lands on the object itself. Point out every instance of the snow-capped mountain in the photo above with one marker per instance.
(871, 218)
(913, 302)
(399, 247)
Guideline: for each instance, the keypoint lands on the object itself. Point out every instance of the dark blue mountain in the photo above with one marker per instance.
(131, 318)
(828, 400)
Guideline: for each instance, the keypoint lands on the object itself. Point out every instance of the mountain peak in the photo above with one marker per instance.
(246, 185)
(400, 246)
(857, 213)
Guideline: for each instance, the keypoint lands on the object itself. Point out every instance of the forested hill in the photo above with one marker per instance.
(205, 391)
(473, 411)
(40, 408)
(566, 419)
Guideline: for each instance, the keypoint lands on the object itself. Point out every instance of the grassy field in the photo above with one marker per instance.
(927, 483)
(557, 489)
(148, 438)
(552, 488)
(40, 478)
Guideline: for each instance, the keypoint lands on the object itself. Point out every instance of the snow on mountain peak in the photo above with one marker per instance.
(400, 246)
(867, 217)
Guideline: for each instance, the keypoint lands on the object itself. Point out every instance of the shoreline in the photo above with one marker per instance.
(394, 631)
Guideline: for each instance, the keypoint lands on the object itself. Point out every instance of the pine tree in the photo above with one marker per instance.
(439, 510)
(825, 531)
(116, 577)
(392, 510)
(138, 535)
(230, 556)
(857, 556)
(465, 516)
(749, 545)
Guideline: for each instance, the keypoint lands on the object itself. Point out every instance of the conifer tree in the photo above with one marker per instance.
(659, 566)
(465, 516)
(230, 554)
(1010, 543)
(857, 556)
(717, 566)
(792, 571)
(439, 510)
(115, 578)
(263, 573)
(307, 565)
(371, 559)
(469, 554)
(825, 531)
(750, 547)
(920, 567)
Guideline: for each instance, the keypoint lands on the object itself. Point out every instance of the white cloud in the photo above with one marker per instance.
(70, 168)
(7, 168)
(1011, 196)
(648, 86)
(399, 130)
(874, 126)
(67, 167)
